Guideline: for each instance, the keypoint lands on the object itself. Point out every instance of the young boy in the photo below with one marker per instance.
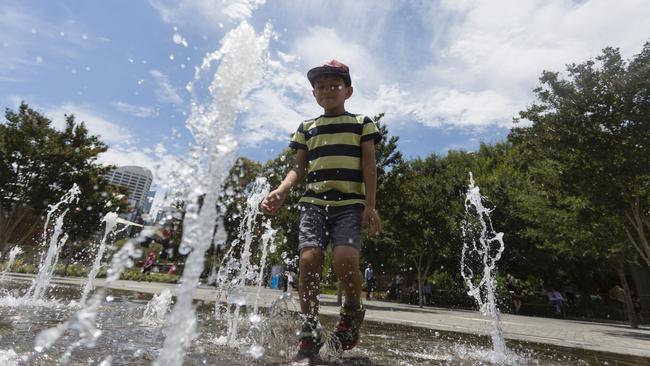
(336, 151)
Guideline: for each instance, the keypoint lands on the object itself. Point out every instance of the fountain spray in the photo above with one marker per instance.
(13, 253)
(483, 247)
(56, 242)
(242, 57)
(110, 219)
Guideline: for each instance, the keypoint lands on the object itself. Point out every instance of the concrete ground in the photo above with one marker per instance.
(606, 337)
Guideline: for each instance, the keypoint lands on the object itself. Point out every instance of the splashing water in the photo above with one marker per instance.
(237, 268)
(8, 357)
(277, 332)
(48, 261)
(267, 245)
(157, 308)
(241, 67)
(84, 321)
(482, 248)
(13, 253)
(110, 219)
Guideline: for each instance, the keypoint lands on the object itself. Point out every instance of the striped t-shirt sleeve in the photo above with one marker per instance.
(370, 131)
(298, 141)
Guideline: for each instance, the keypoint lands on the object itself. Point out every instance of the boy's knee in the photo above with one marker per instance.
(310, 257)
(345, 255)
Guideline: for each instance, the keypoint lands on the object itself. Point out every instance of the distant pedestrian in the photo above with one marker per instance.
(570, 295)
(636, 304)
(414, 292)
(392, 291)
(427, 292)
(172, 269)
(369, 276)
(516, 295)
(148, 264)
(555, 301)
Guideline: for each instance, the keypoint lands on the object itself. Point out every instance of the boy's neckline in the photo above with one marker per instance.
(346, 113)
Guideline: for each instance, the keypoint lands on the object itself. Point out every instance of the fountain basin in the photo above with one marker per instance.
(406, 335)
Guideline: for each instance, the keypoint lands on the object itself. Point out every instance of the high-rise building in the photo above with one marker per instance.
(137, 180)
(149, 202)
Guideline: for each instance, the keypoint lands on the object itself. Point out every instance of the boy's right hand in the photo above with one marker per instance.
(273, 201)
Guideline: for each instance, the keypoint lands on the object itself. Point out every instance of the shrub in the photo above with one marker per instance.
(25, 268)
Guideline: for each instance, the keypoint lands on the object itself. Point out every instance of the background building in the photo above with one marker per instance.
(149, 202)
(138, 181)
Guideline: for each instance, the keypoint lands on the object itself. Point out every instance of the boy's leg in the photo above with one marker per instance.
(313, 237)
(311, 268)
(346, 265)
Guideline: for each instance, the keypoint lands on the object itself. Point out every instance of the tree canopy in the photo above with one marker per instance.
(39, 163)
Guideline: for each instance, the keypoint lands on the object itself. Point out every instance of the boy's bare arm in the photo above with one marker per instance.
(274, 200)
(369, 168)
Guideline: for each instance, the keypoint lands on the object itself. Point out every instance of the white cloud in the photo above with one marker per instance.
(135, 110)
(482, 65)
(110, 132)
(271, 118)
(165, 92)
(486, 50)
(319, 45)
(208, 14)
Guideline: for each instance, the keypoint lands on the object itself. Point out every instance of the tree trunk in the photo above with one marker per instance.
(638, 237)
(620, 269)
(29, 233)
(16, 219)
(418, 267)
(3, 222)
(420, 288)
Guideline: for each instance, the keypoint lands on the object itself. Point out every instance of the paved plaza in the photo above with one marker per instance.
(607, 337)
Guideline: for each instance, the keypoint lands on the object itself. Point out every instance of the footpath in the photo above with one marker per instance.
(607, 337)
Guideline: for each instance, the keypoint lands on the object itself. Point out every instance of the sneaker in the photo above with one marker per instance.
(347, 329)
(311, 341)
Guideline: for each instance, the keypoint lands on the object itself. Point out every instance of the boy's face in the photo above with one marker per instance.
(331, 93)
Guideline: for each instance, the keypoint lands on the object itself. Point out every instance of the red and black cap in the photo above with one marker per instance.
(332, 67)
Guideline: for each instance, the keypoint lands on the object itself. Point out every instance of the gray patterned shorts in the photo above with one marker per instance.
(340, 224)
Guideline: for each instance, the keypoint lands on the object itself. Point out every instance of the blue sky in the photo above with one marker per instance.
(448, 74)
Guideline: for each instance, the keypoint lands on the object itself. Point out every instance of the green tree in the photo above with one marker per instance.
(40, 163)
(381, 251)
(235, 192)
(594, 125)
(423, 209)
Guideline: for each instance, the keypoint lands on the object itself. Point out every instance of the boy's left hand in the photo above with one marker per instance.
(371, 221)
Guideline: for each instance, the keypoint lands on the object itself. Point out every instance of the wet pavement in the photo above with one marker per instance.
(394, 334)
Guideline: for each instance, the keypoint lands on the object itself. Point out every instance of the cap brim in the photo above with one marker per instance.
(324, 70)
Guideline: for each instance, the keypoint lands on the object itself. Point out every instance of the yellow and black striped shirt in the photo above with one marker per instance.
(333, 144)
